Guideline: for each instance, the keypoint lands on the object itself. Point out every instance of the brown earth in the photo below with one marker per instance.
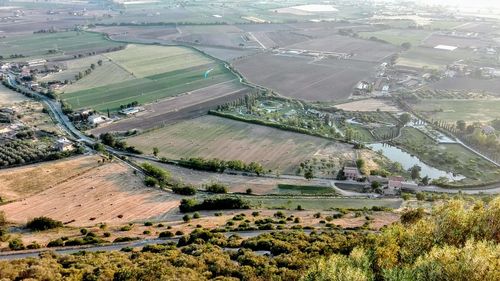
(109, 193)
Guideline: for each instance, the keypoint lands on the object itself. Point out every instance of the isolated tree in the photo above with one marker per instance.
(308, 175)
(406, 45)
(461, 125)
(405, 118)
(156, 151)
(415, 172)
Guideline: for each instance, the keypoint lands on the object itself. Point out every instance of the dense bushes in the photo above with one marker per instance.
(184, 189)
(216, 187)
(156, 175)
(456, 241)
(218, 203)
(219, 166)
(43, 223)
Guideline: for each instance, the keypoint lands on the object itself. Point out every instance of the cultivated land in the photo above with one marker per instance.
(398, 36)
(215, 137)
(491, 86)
(109, 193)
(190, 105)
(363, 50)
(66, 43)
(9, 97)
(108, 73)
(369, 105)
(319, 203)
(454, 110)
(421, 57)
(159, 72)
(18, 183)
(303, 77)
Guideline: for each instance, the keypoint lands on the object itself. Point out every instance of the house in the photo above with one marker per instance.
(63, 144)
(130, 110)
(351, 173)
(96, 119)
(378, 179)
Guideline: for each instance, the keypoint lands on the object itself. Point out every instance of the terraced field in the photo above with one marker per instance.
(158, 72)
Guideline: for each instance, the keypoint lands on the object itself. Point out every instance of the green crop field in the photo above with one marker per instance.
(454, 110)
(304, 189)
(398, 36)
(216, 137)
(38, 45)
(173, 71)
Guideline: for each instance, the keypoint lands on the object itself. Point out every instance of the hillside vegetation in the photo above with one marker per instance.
(458, 240)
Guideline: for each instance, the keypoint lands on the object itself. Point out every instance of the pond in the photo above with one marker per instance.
(407, 161)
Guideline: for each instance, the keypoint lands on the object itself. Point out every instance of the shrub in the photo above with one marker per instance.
(217, 188)
(146, 232)
(148, 223)
(125, 239)
(186, 218)
(184, 189)
(16, 244)
(83, 231)
(249, 191)
(151, 182)
(219, 203)
(196, 215)
(43, 223)
(126, 228)
(178, 233)
(166, 234)
(56, 243)
(34, 245)
(106, 234)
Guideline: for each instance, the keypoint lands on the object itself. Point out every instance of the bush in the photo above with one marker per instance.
(196, 215)
(178, 233)
(106, 234)
(43, 223)
(151, 182)
(148, 223)
(16, 244)
(34, 245)
(184, 189)
(56, 243)
(125, 239)
(146, 232)
(83, 231)
(249, 191)
(186, 218)
(166, 234)
(217, 188)
(126, 228)
(219, 203)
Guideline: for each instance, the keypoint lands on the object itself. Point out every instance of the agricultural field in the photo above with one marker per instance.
(459, 42)
(187, 106)
(318, 203)
(491, 86)
(368, 105)
(109, 193)
(398, 36)
(107, 73)
(422, 57)
(159, 72)
(215, 137)
(303, 77)
(362, 50)
(454, 110)
(65, 43)
(22, 182)
(9, 97)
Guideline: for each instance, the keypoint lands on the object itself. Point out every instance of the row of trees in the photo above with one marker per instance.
(219, 166)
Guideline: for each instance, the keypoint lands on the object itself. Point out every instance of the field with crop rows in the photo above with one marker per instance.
(158, 72)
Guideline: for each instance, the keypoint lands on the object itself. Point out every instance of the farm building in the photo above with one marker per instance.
(63, 144)
(130, 110)
(96, 119)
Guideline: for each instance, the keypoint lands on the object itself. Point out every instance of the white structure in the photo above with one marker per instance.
(446, 47)
(96, 119)
(130, 110)
(64, 145)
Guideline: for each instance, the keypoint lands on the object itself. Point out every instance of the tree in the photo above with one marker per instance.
(156, 151)
(461, 125)
(405, 118)
(43, 223)
(425, 180)
(309, 174)
(406, 45)
(415, 172)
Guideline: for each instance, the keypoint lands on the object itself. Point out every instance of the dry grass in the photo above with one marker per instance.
(369, 105)
(109, 193)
